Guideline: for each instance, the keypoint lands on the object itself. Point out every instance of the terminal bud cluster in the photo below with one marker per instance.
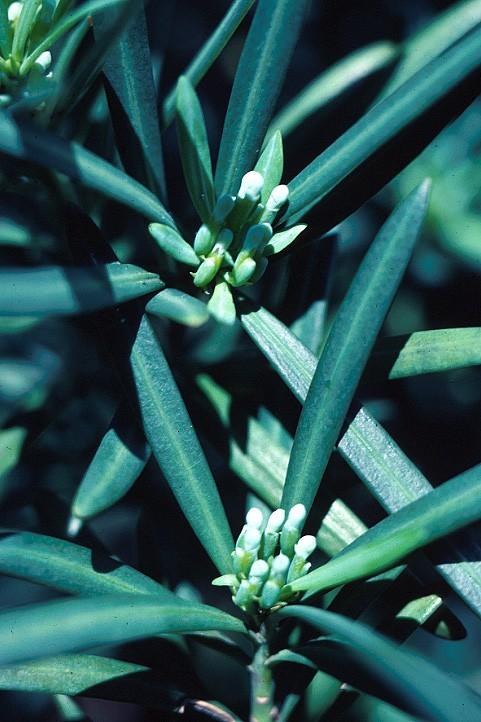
(267, 557)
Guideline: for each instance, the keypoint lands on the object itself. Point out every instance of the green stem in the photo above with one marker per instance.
(262, 687)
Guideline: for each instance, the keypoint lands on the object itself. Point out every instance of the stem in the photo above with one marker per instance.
(262, 686)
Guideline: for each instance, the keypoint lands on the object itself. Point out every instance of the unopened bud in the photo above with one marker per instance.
(225, 238)
(44, 60)
(254, 518)
(305, 546)
(271, 593)
(204, 241)
(297, 516)
(276, 520)
(257, 238)
(207, 271)
(14, 10)
(277, 198)
(243, 272)
(251, 186)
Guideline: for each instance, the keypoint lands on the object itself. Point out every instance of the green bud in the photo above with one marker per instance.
(243, 272)
(243, 597)
(207, 271)
(257, 238)
(289, 538)
(204, 240)
(271, 593)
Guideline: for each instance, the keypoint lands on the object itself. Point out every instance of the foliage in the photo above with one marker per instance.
(205, 324)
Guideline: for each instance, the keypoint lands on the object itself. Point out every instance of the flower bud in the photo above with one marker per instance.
(14, 10)
(254, 518)
(207, 271)
(251, 186)
(243, 272)
(257, 238)
(276, 520)
(271, 593)
(204, 241)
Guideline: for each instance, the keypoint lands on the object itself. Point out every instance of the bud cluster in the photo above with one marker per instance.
(232, 244)
(267, 557)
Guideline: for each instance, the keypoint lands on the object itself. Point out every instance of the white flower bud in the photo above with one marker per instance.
(44, 60)
(277, 198)
(259, 570)
(251, 186)
(276, 520)
(297, 515)
(251, 539)
(14, 11)
(280, 565)
(305, 546)
(254, 518)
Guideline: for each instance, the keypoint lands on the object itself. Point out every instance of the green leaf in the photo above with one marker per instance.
(88, 675)
(5, 31)
(271, 165)
(63, 26)
(11, 442)
(178, 306)
(173, 244)
(263, 64)
(386, 123)
(116, 466)
(433, 39)
(71, 568)
(60, 291)
(176, 447)
(133, 105)
(29, 142)
(280, 241)
(221, 304)
(294, 363)
(70, 625)
(396, 482)
(89, 64)
(334, 81)
(209, 52)
(425, 352)
(347, 348)
(430, 692)
(194, 149)
(368, 448)
(23, 28)
(449, 507)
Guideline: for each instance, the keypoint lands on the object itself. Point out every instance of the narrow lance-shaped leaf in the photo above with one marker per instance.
(89, 675)
(178, 306)
(433, 39)
(425, 352)
(258, 81)
(173, 244)
(380, 126)
(209, 51)
(367, 447)
(5, 31)
(271, 164)
(449, 507)
(395, 482)
(27, 142)
(116, 466)
(71, 625)
(332, 83)
(59, 291)
(63, 26)
(133, 105)
(89, 64)
(429, 692)
(176, 447)
(194, 149)
(347, 348)
(71, 568)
